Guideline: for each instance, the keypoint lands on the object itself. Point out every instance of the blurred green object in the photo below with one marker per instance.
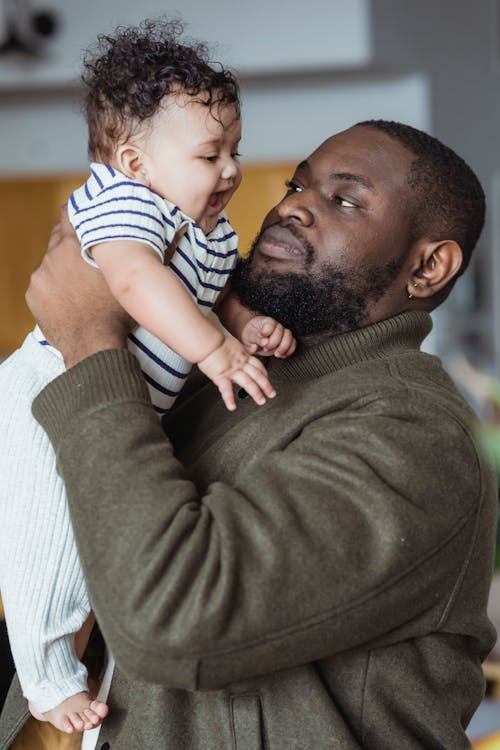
(489, 438)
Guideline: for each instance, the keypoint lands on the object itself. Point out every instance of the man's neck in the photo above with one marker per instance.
(318, 338)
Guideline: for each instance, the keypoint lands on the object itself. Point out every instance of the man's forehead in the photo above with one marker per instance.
(365, 154)
(344, 176)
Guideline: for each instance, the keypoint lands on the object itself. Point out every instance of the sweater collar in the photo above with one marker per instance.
(376, 341)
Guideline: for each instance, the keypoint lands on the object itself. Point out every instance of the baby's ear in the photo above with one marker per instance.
(130, 160)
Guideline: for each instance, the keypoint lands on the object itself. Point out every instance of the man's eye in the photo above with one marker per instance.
(293, 187)
(344, 202)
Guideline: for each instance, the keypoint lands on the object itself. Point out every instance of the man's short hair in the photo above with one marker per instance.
(128, 74)
(448, 200)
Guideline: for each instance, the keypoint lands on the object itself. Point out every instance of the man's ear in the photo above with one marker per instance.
(131, 161)
(438, 263)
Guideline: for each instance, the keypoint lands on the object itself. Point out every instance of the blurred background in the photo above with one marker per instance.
(307, 70)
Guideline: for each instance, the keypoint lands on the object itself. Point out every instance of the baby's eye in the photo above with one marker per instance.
(235, 155)
(293, 187)
(212, 158)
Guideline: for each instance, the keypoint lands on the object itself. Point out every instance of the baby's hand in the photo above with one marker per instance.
(231, 363)
(265, 336)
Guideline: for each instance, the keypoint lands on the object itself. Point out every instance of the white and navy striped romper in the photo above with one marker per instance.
(110, 206)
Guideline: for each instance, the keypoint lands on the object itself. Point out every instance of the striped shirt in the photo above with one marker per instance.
(109, 207)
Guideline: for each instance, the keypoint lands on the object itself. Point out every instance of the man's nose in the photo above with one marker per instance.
(295, 207)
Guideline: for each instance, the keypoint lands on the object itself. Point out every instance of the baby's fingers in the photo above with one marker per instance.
(255, 381)
(275, 338)
(287, 344)
(225, 387)
(250, 348)
(265, 326)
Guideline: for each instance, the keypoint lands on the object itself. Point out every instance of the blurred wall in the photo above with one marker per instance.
(256, 36)
(304, 75)
(455, 44)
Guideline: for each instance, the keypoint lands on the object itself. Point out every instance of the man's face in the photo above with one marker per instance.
(333, 254)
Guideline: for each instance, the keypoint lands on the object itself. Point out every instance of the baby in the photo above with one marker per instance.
(164, 128)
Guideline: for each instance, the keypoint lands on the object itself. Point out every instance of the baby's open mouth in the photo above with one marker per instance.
(216, 200)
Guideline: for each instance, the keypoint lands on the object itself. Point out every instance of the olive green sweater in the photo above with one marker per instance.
(307, 575)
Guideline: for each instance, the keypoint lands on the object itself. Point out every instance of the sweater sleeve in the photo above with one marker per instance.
(326, 545)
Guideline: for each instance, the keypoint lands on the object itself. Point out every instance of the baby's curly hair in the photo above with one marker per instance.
(128, 74)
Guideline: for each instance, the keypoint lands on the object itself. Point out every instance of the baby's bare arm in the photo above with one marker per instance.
(152, 294)
(74, 307)
(231, 313)
(155, 298)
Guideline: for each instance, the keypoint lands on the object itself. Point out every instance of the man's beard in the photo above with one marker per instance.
(329, 300)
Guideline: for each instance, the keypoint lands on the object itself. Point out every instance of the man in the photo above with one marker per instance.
(312, 573)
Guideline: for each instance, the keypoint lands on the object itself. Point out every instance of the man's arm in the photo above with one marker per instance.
(293, 561)
(63, 284)
(289, 562)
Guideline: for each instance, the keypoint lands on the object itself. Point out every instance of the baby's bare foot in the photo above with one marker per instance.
(75, 714)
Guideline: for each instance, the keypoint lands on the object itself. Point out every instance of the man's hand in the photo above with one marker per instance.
(71, 301)
(230, 363)
(265, 336)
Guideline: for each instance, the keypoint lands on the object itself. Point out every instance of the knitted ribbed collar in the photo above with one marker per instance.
(379, 340)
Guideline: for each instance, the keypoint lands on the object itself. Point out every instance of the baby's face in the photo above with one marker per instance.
(191, 156)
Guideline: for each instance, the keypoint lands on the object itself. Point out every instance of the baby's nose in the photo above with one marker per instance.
(230, 169)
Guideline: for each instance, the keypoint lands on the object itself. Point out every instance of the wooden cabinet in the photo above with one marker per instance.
(28, 210)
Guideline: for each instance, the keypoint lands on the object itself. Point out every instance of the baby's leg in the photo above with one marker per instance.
(42, 585)
(79, 712)
(75, 714)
